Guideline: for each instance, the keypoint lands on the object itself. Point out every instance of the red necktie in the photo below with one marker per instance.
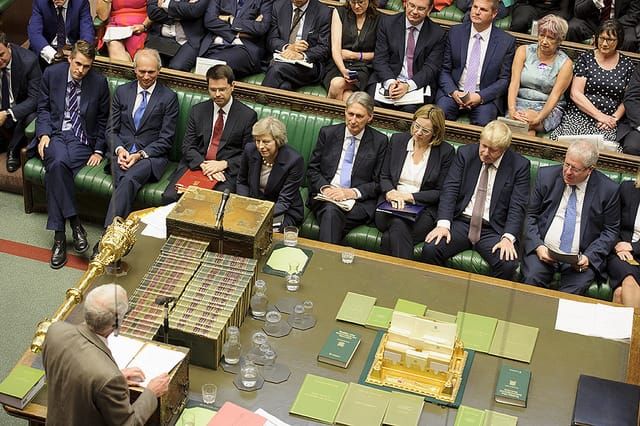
(215, 137)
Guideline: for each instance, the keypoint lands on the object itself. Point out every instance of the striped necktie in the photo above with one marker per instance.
(73, 90)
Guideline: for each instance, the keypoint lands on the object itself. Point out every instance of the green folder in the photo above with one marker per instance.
(404, 409)
(379, 318)
(476, 331)
(493, 418)
(440, 316)
(201, 415)
(362, 406)
(319, 398)
(409, 307)
(514, 341)
(356, 308)
(468, 416)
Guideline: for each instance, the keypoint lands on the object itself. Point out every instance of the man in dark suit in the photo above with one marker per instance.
(216, 134)
(84, 384)
(55, 24)
(345, 167)
(410, 59)
(629, 127)
(140, 133)
(299, 30)
(236, 34)
(477, 67)
(482, 203)
(19, 90)
(589, 14)
(177, 31)
(73, 109)
(524, 12)
(573, 209)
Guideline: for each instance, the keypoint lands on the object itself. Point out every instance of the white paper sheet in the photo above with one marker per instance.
(154, 360)
(123, 349)
(117, 33)
(203, 64)
(156, 222)
(271, 419)
(594, 319)
(410, 98)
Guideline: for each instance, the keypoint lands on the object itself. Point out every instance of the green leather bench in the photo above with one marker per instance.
(448, 13)
(4, 5)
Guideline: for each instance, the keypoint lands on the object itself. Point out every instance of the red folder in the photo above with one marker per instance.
(194, 178)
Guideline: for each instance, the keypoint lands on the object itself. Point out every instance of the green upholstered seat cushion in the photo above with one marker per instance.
(315, 89)
(4, 4)
(395, 5)
(449, 13)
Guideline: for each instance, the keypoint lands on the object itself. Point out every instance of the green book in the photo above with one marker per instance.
(21, 385)
(439, 316)
(514, 341)
(379, 318)
(469, 416)
(409, 307)
(476, 331)
(319, 398)
(404, 409)
(356, 308)
(513, 386)
(362, 406)
(493, 418)
(339, 348)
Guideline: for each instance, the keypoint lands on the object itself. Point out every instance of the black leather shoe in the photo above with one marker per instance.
(13, 162)
(58, 254)
(80, 242)
(96, 250)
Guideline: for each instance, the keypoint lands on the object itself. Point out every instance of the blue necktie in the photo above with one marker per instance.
(137, 115)
(347, 164)
(74, 111)
(569, 227)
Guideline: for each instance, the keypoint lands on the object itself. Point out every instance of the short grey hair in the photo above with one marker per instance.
(273, 127)
(100, 307)
(554, 25)
(586, 150)
(148, 52)
(361, 98)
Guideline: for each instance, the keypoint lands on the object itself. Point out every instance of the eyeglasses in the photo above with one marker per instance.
(419, 129)
(574, 168)
(608, 39)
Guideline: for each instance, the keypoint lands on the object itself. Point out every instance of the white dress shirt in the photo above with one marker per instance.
(412, 174)
(174, 30)
(484, 42)
(404, 74)
(552, 239)
(345, 144)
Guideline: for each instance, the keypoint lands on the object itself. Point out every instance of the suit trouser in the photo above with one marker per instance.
(127, 184)
(439, 254)
(400, 235)
(290, 76)
(12, 133)
(539, 273)
(335, 222)
(619, 270)
(63, 159)
(237, 57)
(184, 59)
(631, 142)
(480, 115)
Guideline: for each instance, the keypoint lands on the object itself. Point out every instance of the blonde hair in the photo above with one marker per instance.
(273, 127)
(497, 135)
(434, 114)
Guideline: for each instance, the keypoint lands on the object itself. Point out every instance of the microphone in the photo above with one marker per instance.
(116, 326)
(163, 300)
(223, 205)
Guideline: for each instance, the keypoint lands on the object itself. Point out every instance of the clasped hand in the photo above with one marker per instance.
(398, 89)
(398, 199)
(214, 169)
(473, 101)
(295, 50)
(127, 160)
(338, 194)
(624, 250)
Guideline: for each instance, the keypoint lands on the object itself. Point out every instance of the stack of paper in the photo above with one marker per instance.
(594, 319)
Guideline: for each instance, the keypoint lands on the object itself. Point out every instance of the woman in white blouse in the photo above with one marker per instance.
(414, 169)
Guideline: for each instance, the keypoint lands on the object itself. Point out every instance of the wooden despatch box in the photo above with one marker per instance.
(247, 224)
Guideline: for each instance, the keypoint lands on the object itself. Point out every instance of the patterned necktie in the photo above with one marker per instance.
(240, 4)
(61, 32)
(6, 96)
(216, 134)
(137, 115)
(473, 65)
(569, 225)
(295, 25)
(411, 47)
(347, 164)
(73, 88)
(605, 12)
(475, 225)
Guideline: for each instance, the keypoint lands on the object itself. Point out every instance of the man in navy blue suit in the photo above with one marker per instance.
(574, 209)
(299, 31)
(392, 63)
(55, 24)
(143, 121)
(237, 30)
(345, 165)
(19, 89)
(477, 66)
(482, 204)
(176, 31)
(73, 109)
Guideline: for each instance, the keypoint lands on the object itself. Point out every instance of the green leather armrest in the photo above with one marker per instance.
(4, 4)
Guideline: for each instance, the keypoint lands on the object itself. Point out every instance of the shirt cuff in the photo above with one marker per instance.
(599, 3)
(13, 117)
(412, 85)
(117, 149)
(218, 40)
(509, 237)
(97, 151)
(443, 223)
(358, 193)
(48, 53)
(165, 4)
(387, 83)
(144, 154)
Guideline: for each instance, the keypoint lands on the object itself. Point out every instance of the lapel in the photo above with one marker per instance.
(399, 157)
(472, 177)
(208, 127)
(254, 172)
(363, 150)
(59, 92)
(94, 339)
(276, 172)
(151, 103)
(309, 19)
(334, 151)
(229, 125)
(589, 194)
(287, 20)
(502, 175)
(420, 45)
(17, 73)
(401, 23)
(432, 165)
(491, 48)
(464, 46)
(557, 189)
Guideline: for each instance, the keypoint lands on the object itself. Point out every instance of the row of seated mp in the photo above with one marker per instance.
(94, 186)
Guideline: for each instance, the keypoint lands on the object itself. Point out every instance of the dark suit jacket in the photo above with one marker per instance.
(437, 167)
(157, 126)
(629, 202)
(237, 133)
(510, 189)
(84, 383)
(600, 216)
(365, 173)
(316, 30)
(94, 104)
(244, 22)
(189, 14)
(283, 185)
(42, 25)
(390, 51)
(496, 69)
(631, 102)
(627, 12)
(25, 81)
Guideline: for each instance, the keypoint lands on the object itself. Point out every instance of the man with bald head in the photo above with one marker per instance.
(84, 384)
(574, 209)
